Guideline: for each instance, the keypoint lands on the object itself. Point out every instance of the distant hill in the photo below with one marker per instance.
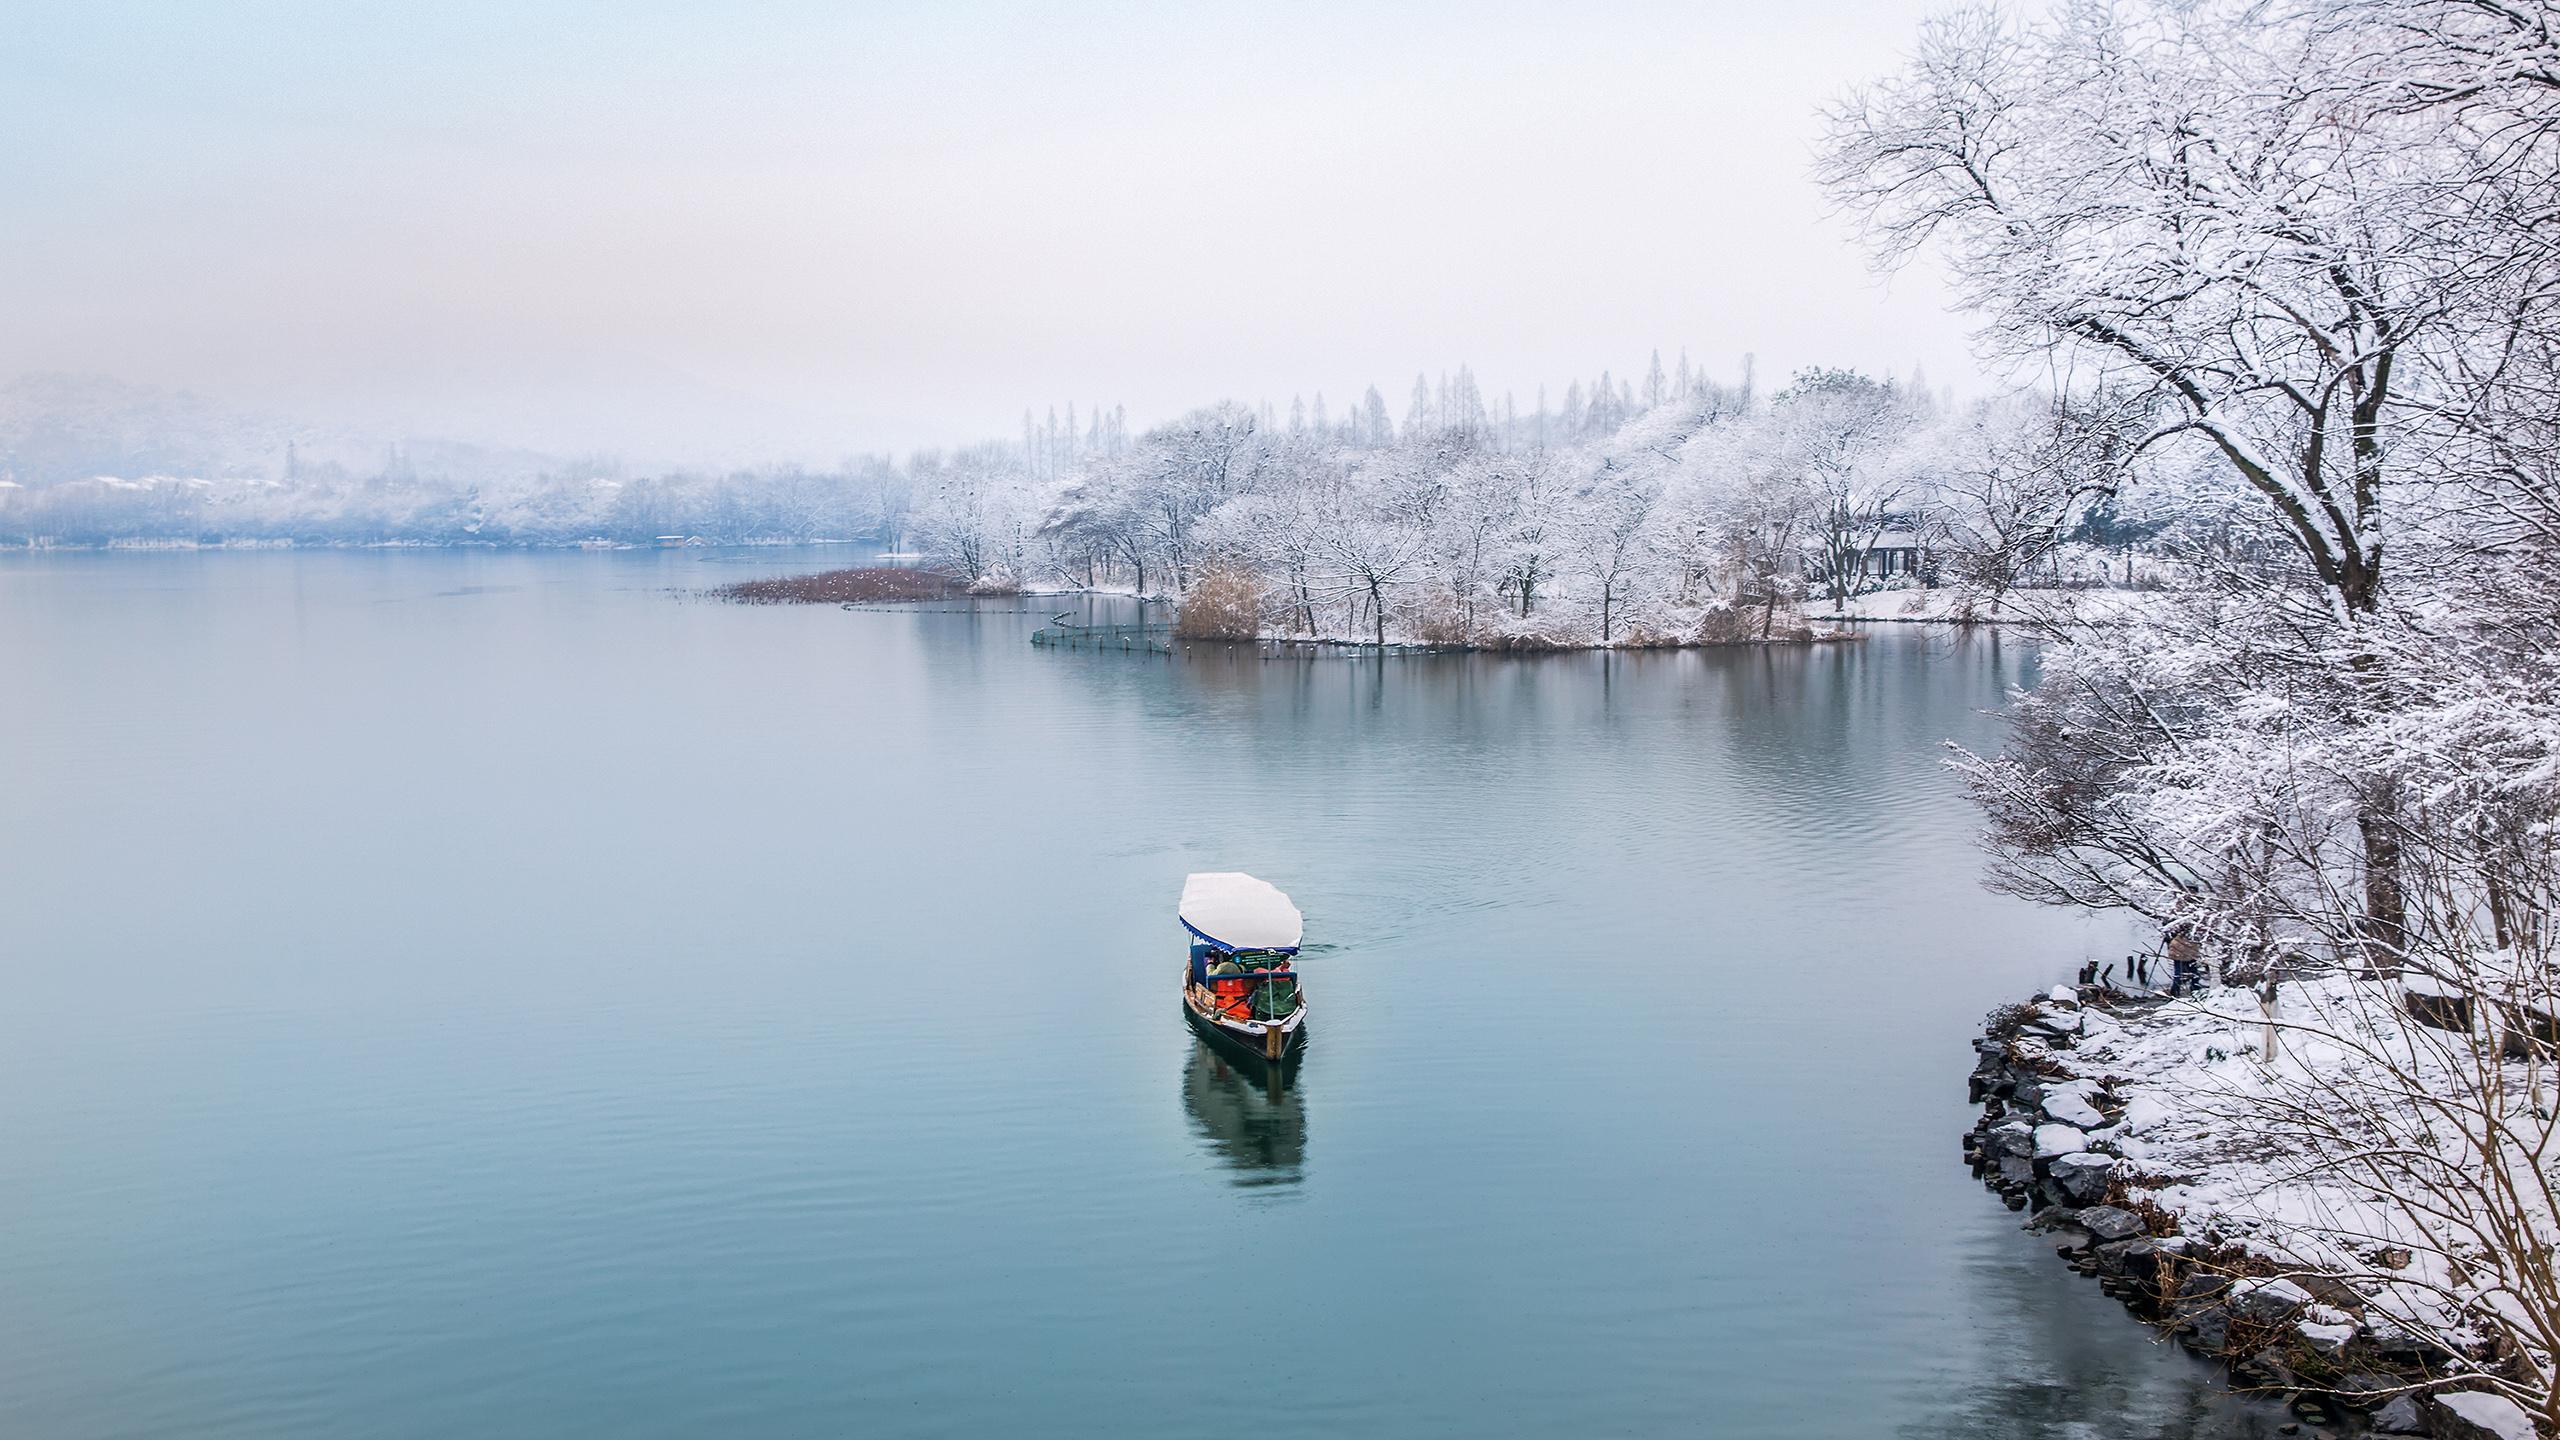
(56, 428)
(87, 460)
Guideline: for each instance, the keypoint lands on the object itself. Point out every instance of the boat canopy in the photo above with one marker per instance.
(1234, 911)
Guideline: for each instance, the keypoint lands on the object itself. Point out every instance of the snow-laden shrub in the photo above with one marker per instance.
(1723, 624)
(1548, 630)
(1642, 635)
(1225, 603)
(1437, 620)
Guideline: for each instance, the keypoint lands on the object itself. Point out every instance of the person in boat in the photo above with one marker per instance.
(1227, 982)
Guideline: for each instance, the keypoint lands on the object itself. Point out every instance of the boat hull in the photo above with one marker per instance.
(1252, 1044)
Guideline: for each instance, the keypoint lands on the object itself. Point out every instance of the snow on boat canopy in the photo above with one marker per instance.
(1235, 912)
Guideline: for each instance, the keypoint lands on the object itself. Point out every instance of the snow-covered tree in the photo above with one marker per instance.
(2310, 242)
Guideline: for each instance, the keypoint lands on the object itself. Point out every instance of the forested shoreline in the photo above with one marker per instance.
(1669, 509)
(1684, 511)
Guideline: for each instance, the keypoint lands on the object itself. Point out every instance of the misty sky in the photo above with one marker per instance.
(812, 229)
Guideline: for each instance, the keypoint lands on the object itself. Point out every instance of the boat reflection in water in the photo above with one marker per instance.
(1249, 1114)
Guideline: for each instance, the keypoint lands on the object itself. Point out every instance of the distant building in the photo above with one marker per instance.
(1894, 552)
(1891, 554)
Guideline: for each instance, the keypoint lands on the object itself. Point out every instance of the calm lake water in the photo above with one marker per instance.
(495, 995)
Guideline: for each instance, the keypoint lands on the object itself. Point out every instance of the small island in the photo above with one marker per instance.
(860, 585)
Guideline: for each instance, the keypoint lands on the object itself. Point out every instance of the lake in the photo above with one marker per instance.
(500, 995)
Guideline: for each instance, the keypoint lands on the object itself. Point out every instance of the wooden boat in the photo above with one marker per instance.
(1239, 987)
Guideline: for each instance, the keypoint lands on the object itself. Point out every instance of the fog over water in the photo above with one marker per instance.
(497, 994)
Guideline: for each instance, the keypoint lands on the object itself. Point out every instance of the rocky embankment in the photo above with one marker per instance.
(2060, 1137)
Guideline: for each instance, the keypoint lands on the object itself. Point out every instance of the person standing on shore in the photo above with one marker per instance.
(2178, 939)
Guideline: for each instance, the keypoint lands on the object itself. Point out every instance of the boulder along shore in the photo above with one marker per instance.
(2083, 1126)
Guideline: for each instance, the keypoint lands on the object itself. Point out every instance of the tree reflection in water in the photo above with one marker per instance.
(2070, 1367)
(1248, 1113)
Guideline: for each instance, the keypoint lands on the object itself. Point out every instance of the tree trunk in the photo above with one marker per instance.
(2502, 927)
(2386, 904)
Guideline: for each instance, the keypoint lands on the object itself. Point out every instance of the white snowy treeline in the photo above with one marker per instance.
(1678, 511)
(2313, 242)
(396, 504)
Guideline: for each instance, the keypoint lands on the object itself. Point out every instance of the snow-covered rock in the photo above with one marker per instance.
(2052, 1024)
(2477, 1415)
(2053, 1140)
(2083, 1177)
(2399, 1416)
(2071, 1105)
(2143, 1112)
(2269, 1302)
(2325, 1338)
(2109, 1223)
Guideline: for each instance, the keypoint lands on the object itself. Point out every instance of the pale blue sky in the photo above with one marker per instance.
(810, 229)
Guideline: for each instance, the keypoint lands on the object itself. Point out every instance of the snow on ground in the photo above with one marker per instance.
(1948, 605)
